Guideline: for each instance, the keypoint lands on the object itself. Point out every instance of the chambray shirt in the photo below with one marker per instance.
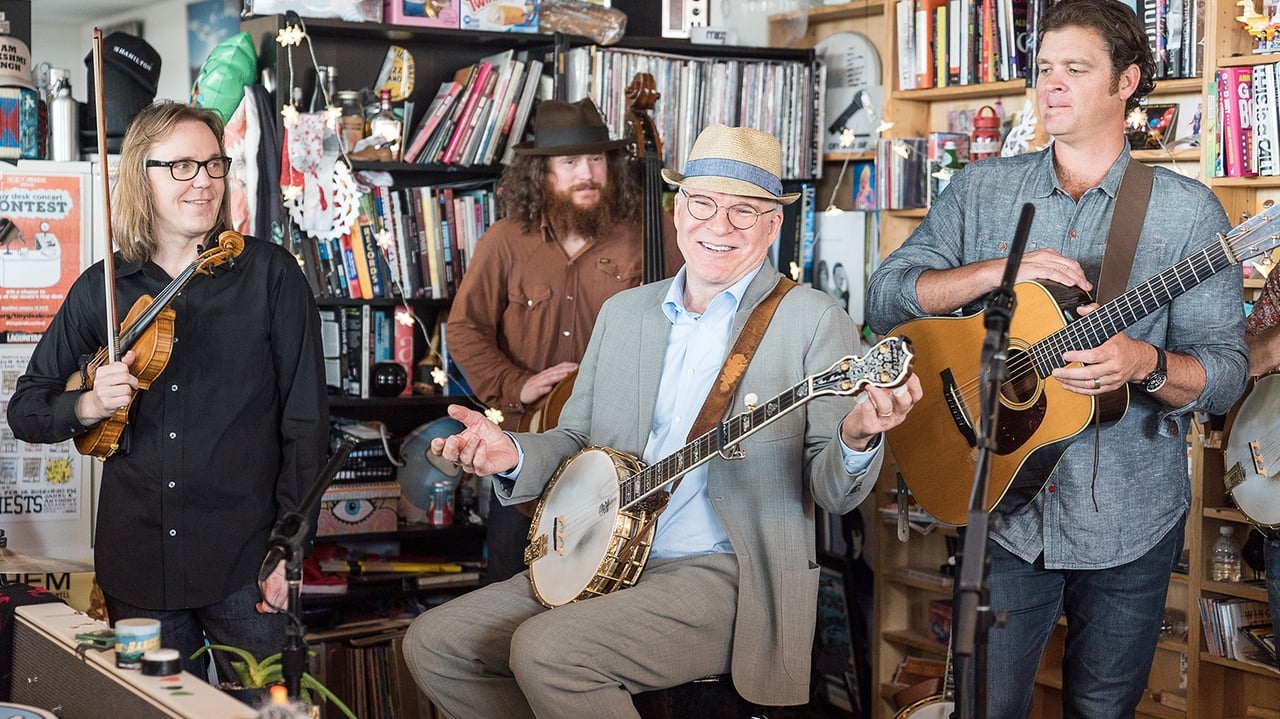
(1142, 487)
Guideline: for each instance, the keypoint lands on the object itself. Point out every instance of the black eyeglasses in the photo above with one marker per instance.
(742, 217)
(183, 170)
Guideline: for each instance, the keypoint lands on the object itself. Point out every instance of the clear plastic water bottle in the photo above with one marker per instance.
(1225, 566)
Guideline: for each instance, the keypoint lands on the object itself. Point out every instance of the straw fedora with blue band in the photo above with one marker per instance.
(735, 161)
(568, 128)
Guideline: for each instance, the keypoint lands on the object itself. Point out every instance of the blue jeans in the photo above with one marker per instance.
(234, 621)
(1271, 554)
(1113, 624)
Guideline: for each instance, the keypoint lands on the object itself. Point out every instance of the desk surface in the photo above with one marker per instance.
(196, 699)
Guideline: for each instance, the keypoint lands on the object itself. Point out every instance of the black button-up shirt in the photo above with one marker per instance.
(228, 437)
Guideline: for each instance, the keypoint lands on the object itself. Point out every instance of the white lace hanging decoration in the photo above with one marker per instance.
(316, 184)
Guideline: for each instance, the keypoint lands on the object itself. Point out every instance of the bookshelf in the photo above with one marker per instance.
(907, 573)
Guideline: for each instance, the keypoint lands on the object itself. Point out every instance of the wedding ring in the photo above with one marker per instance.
(1097, 383)
(885, 414)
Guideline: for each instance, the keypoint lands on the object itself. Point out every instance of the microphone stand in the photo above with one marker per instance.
(286, 543)
(974, 618)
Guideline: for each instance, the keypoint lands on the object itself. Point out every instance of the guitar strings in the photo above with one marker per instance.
(1095, 328)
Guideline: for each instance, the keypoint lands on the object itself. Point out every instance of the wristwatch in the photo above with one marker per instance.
(1158, 376)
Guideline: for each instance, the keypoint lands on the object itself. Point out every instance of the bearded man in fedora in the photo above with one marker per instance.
(571, 238)
(731, 583)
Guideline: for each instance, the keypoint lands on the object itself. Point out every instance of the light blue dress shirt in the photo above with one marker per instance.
(696, 350)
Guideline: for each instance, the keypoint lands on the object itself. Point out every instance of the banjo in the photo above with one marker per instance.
(594, 524)
(1252, 454)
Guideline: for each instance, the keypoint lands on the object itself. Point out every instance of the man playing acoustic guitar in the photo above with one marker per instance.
(731, 583)
(1098, 540)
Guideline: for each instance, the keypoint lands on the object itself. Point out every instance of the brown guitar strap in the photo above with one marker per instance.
(1126, 226)
(1117, 261)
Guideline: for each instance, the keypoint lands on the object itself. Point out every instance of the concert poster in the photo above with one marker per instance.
(45, 216)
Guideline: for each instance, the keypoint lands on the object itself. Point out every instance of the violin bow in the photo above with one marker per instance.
(108, 260)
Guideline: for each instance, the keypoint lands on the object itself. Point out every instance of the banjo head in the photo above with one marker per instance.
(574, 525)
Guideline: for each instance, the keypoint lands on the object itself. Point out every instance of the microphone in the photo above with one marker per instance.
(1002, 301)
(293, 526)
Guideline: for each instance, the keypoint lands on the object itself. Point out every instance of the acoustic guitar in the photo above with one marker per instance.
(594, 524)
(1253, 453)
(936, 445)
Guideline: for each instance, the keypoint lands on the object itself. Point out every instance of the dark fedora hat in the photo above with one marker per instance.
(568, 128)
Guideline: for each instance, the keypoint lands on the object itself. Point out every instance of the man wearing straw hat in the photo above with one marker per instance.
(731, 581)
(570, 239)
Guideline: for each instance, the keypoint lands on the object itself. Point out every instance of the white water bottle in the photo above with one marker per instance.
(1225, 566)
(64, 118)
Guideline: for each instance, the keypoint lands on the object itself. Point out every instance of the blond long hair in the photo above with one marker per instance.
(132, 209)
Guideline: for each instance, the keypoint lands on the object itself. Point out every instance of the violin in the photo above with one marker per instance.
(148, 331)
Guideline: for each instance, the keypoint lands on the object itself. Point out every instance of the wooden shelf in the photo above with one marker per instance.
(1236, 589)
(915, 640)
(846, 11)
(1262, 671)
(963, 92)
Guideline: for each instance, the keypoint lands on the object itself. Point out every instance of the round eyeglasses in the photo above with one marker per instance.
(183, 170)
(742, 217)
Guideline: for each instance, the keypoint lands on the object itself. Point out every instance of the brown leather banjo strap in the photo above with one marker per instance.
(735, 365)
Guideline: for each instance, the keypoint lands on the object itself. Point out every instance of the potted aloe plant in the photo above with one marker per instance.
(260, 675)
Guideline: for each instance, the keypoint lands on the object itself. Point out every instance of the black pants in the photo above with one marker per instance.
(507, 534)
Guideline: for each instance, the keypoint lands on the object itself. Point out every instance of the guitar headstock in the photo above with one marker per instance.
(1256, 235)
(887, 364)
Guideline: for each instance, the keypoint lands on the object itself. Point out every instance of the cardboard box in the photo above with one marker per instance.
(358, 509)
(425, 13)
(499, 15)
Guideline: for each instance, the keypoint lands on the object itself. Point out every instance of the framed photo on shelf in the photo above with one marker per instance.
(1151, 127)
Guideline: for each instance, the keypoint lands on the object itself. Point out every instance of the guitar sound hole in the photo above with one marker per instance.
(1022, 384)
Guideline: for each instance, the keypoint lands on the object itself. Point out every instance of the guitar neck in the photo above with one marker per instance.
(1096, 327)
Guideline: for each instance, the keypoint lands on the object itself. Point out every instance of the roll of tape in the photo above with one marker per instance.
(161, 662)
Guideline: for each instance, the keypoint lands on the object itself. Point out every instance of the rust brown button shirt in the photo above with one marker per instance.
(524, 305)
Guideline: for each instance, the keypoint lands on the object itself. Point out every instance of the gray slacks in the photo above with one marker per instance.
(497, 652)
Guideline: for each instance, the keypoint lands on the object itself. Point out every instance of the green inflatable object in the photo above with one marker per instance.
(230, 66)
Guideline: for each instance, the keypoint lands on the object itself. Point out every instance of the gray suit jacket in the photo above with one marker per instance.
(766, 501)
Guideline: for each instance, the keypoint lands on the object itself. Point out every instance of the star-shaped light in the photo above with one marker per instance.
(290, 192)
(290, 115)
(404, 317)
(795, 272)
(385, 240)
(494, 415)
(884, 127)
(847, 136)
(332, 114)
(290, 35)
(439, 376)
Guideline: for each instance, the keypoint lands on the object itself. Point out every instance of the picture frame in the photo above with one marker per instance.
(1152, 127)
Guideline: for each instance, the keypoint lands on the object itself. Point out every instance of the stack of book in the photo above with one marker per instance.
(477, 116)
(407, 242)
(1238, 628)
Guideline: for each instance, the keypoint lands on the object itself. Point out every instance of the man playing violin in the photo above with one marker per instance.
(732, 579)
(228, 437)
(571, 238)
